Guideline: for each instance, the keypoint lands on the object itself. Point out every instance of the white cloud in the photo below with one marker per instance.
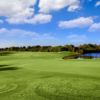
(76, 23)
(18, 33)
(76, 39)
(47, 6)
(94, 27)
(19, 37)
(4, 43)
(22, 11)
(37, 19)
(17, 9)
(4, 32)
(40, 19)
(97, 3)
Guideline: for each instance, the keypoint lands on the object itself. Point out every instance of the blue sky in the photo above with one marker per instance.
(49, 22)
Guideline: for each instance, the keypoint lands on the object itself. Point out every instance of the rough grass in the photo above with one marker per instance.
(46, 76)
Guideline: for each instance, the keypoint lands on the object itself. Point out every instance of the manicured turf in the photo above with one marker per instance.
(46, 76)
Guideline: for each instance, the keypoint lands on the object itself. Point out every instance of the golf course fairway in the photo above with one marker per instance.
(46, 76)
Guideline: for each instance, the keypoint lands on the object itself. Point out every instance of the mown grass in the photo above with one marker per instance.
(46, 76)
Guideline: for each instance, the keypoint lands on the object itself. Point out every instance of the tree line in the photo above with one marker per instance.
(85, 48)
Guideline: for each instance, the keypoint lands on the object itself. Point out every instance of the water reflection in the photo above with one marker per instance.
(94, 55)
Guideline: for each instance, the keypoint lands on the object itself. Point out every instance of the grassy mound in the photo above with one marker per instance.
(69, 88)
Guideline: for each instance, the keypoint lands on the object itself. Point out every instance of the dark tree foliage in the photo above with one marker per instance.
(85, 48)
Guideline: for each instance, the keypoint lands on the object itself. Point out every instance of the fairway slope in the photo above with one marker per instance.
(46, 76)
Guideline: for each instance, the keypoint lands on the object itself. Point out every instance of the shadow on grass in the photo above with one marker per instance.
(3, 66)
(7, 68)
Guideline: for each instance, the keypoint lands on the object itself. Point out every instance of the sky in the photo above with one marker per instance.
(49, 22)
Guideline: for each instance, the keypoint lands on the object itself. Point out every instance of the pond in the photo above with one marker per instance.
(93, 55)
